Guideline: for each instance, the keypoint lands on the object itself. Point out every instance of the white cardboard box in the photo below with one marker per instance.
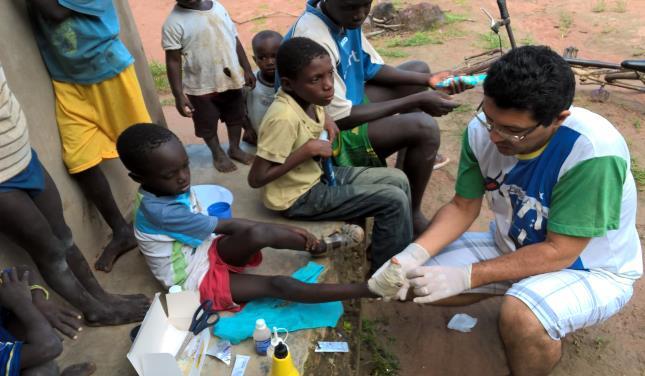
(160, 336)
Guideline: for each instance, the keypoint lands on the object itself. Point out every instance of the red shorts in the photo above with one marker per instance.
(216, 285)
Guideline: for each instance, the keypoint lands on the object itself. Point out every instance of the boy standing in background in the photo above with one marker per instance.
(97, 97)
(215, 68)
(265, 49)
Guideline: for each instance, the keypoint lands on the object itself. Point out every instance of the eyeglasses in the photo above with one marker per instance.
(507, 135)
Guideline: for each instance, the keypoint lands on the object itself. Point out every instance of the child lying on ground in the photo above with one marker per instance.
(288, 145)
(199, 252)
(28, 343)
(265, 49)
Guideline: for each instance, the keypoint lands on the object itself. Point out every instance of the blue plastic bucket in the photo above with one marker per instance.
(221, 210)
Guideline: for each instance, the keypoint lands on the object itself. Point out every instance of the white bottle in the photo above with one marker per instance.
(262, 337)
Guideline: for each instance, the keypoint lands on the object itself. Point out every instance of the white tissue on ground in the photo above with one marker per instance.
(462, 322)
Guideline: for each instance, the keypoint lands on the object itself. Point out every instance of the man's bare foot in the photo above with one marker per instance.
(118, 314)
(67, 321)
(240, 155)
(80, 369)
(419, 223)
(222, 162)
(121, 242)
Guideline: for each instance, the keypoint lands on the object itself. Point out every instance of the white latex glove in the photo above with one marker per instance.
(389, 280)
(432, 283)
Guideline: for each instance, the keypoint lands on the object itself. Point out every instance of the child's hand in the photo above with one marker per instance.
(319, 148)
(249, 79)
(14, 290)
(184, 106)
(456, 86)
(67, 321)
(435, 103)
(331, 127)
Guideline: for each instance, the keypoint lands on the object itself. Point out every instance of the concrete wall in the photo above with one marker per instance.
(29, 80)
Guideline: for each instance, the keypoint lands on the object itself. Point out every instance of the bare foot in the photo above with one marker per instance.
(419, 223)
(120, 244)
(240, 156)
(118, 314)
(222, 163)
(80, 369)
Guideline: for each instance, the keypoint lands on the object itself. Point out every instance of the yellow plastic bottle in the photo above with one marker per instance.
(282, 363)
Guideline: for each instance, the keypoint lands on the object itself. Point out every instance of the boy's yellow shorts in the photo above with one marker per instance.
(91, 117)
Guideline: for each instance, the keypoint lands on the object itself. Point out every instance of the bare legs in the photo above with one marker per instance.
(238, 248)
(414, 135)
(97, 189)
(59, 261)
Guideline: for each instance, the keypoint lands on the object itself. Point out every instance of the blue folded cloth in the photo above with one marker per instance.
(280, 313)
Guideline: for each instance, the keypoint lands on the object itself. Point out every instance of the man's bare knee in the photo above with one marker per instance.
(517, 321)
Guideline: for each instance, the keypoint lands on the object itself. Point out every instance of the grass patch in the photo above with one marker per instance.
(416, 39)
(599, 7)
(382, 362)
(621, 6)
(564, 24)
(491, 41)
(159, 76)
(637, 123)
(451, 18)
(464, 108)
(527, 41)
(392, 53)
(167, 102)
(639, 174)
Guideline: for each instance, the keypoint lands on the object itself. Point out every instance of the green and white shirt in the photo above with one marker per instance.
(579, 184)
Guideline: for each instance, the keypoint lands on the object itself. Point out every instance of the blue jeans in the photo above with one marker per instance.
(379, 192)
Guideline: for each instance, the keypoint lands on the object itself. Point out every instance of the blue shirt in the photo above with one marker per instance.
(355, 60)
(9, 351)
(85, 48)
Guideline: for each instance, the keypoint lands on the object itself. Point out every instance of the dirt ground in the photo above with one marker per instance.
(610, 30)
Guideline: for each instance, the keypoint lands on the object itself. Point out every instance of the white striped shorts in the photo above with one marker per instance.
(563, 301)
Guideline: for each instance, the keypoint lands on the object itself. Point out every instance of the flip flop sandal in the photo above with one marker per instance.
(441, 164)
(348, 237)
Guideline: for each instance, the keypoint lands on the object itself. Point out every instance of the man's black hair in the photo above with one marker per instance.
(295, 54)
(532, 78)
(262, 36)
(135, 144)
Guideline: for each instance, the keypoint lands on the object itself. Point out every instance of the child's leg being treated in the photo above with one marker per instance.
(238, 248)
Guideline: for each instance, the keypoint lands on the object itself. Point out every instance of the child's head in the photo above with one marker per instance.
(155, 158)
(306, 71)
(265, 49)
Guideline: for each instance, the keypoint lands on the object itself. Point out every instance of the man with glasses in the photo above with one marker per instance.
(563, 248)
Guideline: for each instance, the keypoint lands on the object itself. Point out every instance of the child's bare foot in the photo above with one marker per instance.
(118, 314)
(240, 155)
(388, 281)
(419, 223)
(121, 242)
(80, 369)
(348, 237)
(222, 162)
